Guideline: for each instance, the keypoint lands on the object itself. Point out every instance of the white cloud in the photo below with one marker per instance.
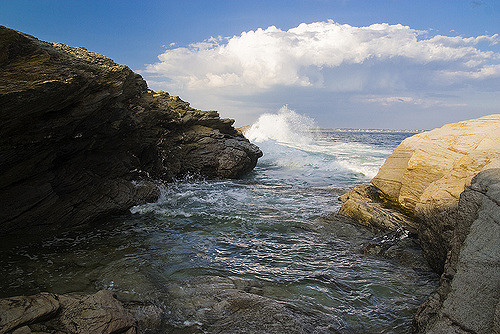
(327, 68)
(270, 57)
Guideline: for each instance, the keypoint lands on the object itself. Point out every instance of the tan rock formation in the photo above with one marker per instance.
(431, 169)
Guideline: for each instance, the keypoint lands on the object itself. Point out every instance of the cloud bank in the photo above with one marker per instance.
(381, 63)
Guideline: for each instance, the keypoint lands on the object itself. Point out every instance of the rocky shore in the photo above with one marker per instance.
(83, 138)
(443, 186)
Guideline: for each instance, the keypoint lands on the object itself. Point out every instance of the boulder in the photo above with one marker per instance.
(83, 138)
(51, 313)
(429, 170)
(18, 311)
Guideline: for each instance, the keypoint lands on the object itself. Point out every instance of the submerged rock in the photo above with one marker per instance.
(212, 304)
(83, 138)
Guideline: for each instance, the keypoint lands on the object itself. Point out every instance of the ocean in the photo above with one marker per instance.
(270, 228)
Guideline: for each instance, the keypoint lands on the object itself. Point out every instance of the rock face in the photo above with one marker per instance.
(428, 171)
(426, 174)
(82, 137)
(468, 298)
(424, 186)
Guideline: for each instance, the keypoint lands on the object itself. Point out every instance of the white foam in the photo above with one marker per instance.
(291, 140)
(286, 126)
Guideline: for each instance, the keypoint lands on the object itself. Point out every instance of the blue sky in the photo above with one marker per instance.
(357, 64)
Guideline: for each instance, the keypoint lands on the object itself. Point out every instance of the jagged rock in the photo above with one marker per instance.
(18, 311)
(468, 298)
(83, 138)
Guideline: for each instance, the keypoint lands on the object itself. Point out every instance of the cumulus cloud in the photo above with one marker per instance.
(300, 56)
(336, 72)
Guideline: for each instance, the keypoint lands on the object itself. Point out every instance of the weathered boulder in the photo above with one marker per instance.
(429, 170)
(18, 311)
(83, 138)
(468, 298)
(51, 313)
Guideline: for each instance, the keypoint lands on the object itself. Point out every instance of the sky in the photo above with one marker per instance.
(388, 64)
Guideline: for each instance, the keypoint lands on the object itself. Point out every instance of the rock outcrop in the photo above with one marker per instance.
(468, 298)
(429, 171)
(83, 137)
(425, 187)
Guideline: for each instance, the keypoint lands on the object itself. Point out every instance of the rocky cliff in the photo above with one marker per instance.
(83, 137)
(442, 185)
(468, 298)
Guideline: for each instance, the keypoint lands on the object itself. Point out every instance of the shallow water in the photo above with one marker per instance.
(268, 227)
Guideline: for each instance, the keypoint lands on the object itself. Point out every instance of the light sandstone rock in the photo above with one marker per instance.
(431, 169)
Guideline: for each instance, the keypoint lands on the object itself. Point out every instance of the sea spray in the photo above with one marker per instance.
(286, 126)
(292, 140)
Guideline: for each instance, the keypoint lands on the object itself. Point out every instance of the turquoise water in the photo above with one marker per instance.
(268, 227)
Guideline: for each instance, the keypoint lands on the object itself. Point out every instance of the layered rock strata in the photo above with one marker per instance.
(83, 137)
(425, 186)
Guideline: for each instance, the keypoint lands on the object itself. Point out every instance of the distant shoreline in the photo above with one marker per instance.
(370, 130)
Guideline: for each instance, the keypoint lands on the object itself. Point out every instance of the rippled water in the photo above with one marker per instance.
(268, 227)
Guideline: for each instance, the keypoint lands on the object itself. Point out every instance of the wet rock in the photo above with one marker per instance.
(83, 138)
(398, 246)
(18, 311)
(213, 304)
(366, 205)
(97, 313)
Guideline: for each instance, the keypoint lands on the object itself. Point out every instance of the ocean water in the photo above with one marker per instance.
(270, 227)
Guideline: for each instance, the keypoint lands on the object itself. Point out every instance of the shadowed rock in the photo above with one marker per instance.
(18, 311)
(468, 299)
(83, 138)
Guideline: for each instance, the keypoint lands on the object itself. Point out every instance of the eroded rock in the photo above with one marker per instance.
(467, 300)
(82, 137)
(18, 311)
(50, 313)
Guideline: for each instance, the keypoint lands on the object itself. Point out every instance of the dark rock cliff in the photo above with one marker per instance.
(83, 137)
